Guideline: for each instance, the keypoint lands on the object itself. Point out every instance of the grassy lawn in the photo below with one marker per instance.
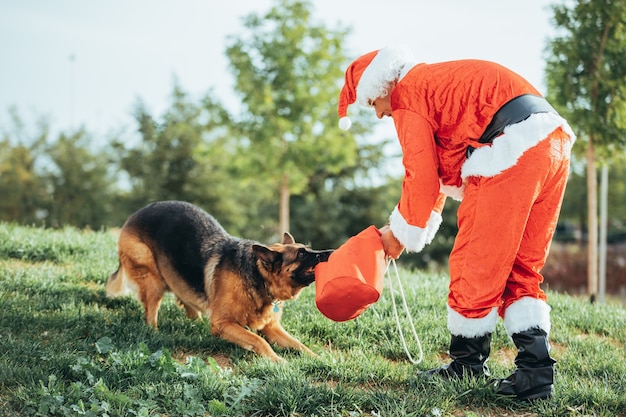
(67, 350)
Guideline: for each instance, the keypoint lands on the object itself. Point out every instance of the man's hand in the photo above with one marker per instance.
(393, 248)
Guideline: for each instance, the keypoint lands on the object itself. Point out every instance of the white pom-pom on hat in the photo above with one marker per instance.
(348, 91)
(345, 123)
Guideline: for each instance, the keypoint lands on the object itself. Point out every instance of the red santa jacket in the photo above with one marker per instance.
(439, 110)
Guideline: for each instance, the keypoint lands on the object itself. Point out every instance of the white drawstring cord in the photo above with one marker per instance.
(406, 310)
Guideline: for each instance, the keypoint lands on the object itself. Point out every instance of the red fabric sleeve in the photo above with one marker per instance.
(420, 187)
(441, 201)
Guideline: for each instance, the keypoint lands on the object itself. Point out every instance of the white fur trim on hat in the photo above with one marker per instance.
(458, 325)
(488, 161)
(527, 313)
(414, 238)
(387, 65)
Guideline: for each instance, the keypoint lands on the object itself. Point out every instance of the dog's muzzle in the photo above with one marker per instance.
(322, 256)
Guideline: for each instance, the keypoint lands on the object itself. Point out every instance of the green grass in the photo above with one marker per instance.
(67, 350)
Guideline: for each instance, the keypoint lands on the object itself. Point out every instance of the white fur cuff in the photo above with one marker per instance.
(452, 191)
(470, 328)
(414, 238)
(526, 313)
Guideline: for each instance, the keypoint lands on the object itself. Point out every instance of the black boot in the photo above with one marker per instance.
(533, 379)
(468, 357)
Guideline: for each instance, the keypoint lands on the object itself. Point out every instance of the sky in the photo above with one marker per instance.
(81, 63)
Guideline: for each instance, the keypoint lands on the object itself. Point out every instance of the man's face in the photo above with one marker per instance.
(382, 106)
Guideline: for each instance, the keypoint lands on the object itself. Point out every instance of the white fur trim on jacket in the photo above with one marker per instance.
(526, 313)
(414, 238)
(488, 161)
(452, 191)
(470, 328)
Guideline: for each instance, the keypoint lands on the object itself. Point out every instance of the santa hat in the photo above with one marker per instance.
(368, 78)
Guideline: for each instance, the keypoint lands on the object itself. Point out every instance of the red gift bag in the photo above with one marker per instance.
(353, 277)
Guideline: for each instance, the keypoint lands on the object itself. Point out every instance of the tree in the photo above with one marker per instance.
(187, 154)
(287, 71)
(574, 211)
(573, 218)
(21, 186)
(586, 73)
(161, 166)
(336, 206)
(80, 188)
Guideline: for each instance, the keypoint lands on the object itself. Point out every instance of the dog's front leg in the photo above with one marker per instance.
(277, 334)
(234, 333)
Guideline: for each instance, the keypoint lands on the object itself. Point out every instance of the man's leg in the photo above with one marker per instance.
(526, 313)
(493, 221)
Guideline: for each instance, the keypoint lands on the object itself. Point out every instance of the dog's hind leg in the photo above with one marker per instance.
(191, 312)
(151, 295)
(141, 275)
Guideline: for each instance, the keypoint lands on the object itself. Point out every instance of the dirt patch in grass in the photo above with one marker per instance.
(223, 361)
(504, 356)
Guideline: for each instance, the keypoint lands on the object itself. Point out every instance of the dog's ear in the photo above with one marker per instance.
(266, 255)
(288, 239)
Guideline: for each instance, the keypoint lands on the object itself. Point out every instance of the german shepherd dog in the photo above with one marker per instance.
(239, 284)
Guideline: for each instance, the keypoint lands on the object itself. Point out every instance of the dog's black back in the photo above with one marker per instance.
(184, 233)
(189, 237)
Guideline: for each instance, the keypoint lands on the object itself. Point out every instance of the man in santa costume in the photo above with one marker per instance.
(479, 133)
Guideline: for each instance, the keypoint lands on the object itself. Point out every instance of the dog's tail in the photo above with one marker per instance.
(115, 284)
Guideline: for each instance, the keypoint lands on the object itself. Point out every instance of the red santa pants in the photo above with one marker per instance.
(506, 223)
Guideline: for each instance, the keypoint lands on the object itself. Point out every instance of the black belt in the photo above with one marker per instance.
(514, 111)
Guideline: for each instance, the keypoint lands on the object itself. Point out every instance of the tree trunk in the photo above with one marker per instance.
(604, 214)
(283, 215)
(592, 227)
